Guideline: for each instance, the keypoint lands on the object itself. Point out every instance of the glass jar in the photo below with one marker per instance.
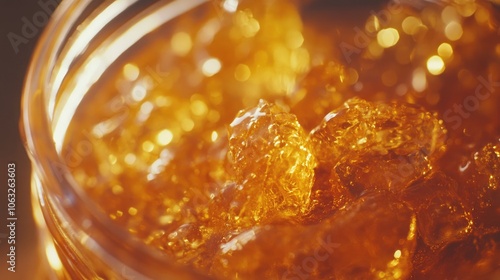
(79, 242)
(104, 65)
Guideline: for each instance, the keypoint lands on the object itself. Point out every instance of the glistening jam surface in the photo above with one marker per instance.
(280, 142)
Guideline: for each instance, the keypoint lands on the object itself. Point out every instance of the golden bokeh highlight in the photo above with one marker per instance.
(410, 25)
(419, 80)
(148, 146)
(435, 65)
(453, 31)
(242, 72)
(388, 37)
(131, 72)
(445, 50)
(164, 137)
(211, 67)
(181, 43)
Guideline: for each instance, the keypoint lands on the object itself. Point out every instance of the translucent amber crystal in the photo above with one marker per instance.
(377, 128)
(391, 171)
(272, 165)
(374, 145)
(271, 172)
(371, 239)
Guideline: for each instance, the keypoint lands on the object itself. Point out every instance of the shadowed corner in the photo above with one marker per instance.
(31, 26)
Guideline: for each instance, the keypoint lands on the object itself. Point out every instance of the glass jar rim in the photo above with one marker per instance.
(63, 193)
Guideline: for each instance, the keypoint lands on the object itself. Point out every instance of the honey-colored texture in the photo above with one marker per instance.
(277, 141)
(273, 165)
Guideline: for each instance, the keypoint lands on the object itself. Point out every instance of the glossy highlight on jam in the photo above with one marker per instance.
(273, 141)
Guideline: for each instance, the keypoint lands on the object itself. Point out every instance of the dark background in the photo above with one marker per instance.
(12, 73)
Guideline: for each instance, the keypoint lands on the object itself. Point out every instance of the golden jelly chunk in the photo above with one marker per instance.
(391, 171)
(364, 127)
(377, 146)
(272, 165)
(372, 238)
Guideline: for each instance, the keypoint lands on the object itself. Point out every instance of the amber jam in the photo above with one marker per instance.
(284, 140)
